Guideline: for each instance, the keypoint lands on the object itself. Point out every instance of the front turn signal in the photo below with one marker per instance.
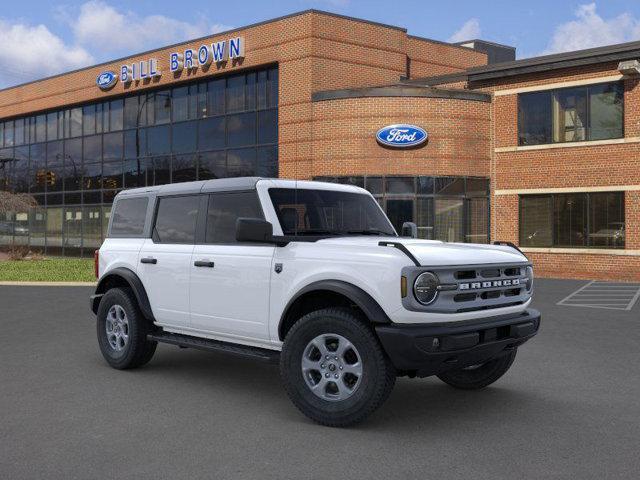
(403, 286)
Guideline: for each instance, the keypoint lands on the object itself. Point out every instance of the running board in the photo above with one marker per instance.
(256, 353)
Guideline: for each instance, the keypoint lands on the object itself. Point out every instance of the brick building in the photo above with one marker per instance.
(539, 152)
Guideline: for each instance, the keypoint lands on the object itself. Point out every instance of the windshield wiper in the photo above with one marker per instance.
(370, 231)
(313, 231)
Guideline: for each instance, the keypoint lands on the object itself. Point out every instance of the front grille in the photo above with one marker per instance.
(484, 287)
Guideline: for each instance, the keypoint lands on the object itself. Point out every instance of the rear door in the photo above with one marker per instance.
(164, 264)
(230, 280)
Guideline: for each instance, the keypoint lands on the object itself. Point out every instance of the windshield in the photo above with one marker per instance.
(328, 212)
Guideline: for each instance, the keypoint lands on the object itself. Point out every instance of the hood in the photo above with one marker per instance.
(436, 253)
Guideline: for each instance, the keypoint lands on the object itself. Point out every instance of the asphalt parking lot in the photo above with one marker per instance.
(569, 407)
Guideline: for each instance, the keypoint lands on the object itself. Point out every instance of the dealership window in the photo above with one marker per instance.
(452, 209)
(577, 114)
(75, 160)
(573, 220)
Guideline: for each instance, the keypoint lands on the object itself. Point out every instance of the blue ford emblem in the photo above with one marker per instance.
(106, 80)
(401, 136)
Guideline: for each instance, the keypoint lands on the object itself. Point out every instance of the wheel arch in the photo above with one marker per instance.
(123, 277)
(326, 293)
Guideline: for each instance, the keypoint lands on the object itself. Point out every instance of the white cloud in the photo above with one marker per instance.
(589, 29)
(28, 52)
(102, 28)
(469, 31)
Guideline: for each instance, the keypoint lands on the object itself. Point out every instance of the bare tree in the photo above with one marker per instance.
(16, 202)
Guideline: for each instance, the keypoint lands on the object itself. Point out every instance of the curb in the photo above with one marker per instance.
(49, 284)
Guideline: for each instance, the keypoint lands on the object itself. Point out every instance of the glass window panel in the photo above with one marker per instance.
(130, 115)
(21, 227)
(138, 173)
(477, 220)
(116, 115)
(184, 136)
(75, 123)
(72, 198)
(52, 126)
(425, 185)
(250, 91)
(112, 175)
(41, 128)
(424, 217)
(570, 217)
(215, 94)
(37, 167)
(241, 129)
(158, 140)
(536, 221)
(108, 195)
(268, 126)
(193, 102)
(449, 185)
(162, 109)
(73, 164)
(184, 168)
(201, 106)
(92, 197)
(241, 163)
(212, 165)
(21, 169)
(89, 120)
(112, 146)
(92, 176)
(102, 117)
(72, 229)
(261, 89)
(211, 133)
(176, 219)
(1, 135)
(8, 134)
(570, 115)
(534, 118)
(92, 149)
(129, 217)
(400, 185)
(179, 99)
(19, 132)
(54, 218)
(235, 93)
(147, 109)
(477, 187)
(6, 166)
(135, 143)
(54, 176)
(449, 224)
(606, 111)
(161, 170)
(92, 226)
(223, 211)
(272, 88)
(37, 225)
(268, 162)
(399, 211)
(607, 220)
(374, 185)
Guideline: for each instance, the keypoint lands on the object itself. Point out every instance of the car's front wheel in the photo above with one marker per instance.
(334, 368)
(122, 331)
(479, 376)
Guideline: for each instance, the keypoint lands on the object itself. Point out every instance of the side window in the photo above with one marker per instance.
(128, 217)
(224, 209)
(176, 219)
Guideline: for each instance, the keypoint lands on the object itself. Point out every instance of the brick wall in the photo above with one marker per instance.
(430, 58)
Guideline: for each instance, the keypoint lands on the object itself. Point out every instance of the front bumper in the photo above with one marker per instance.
(432, 349)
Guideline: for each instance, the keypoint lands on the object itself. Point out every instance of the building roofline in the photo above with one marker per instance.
(495, 44)
(441, 42)
(400, 90)
(556, 61)
(225, 32)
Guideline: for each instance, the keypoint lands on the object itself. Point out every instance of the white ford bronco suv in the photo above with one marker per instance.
(312, 275)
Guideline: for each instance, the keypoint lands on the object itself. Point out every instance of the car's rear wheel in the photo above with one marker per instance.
(122, 330)
(479, 376)
(334, 368)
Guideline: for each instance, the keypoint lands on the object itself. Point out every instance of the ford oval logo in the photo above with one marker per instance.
(106, 80)
(401, 136)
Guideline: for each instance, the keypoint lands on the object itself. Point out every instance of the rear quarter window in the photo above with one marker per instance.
(129, 215)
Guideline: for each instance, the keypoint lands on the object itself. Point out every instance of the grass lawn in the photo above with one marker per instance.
(48, 270)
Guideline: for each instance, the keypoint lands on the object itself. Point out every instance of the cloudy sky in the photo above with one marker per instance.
(43, 37)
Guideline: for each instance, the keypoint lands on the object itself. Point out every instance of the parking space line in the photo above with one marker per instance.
(612, 296)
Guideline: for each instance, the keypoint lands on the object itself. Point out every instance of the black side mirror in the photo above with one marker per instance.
(254, 230)
(409, 229)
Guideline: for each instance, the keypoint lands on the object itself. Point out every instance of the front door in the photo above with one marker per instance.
(230, 280)
(164, 262)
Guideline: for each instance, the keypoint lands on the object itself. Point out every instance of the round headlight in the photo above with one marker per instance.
(425, 288)
(529, 280)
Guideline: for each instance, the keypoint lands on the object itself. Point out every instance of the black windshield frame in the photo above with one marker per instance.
(306, 212)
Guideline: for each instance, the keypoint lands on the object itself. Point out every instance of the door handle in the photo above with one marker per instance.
(203, 263)
(149, 260)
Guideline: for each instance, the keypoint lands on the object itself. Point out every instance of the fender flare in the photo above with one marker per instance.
(359, 297)
(134, 283)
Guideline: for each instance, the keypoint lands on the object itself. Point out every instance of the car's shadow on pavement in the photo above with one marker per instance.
(414, 403)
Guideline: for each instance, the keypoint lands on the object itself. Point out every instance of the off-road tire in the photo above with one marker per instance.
(138, 351)
(482, 376)
(378, 376)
